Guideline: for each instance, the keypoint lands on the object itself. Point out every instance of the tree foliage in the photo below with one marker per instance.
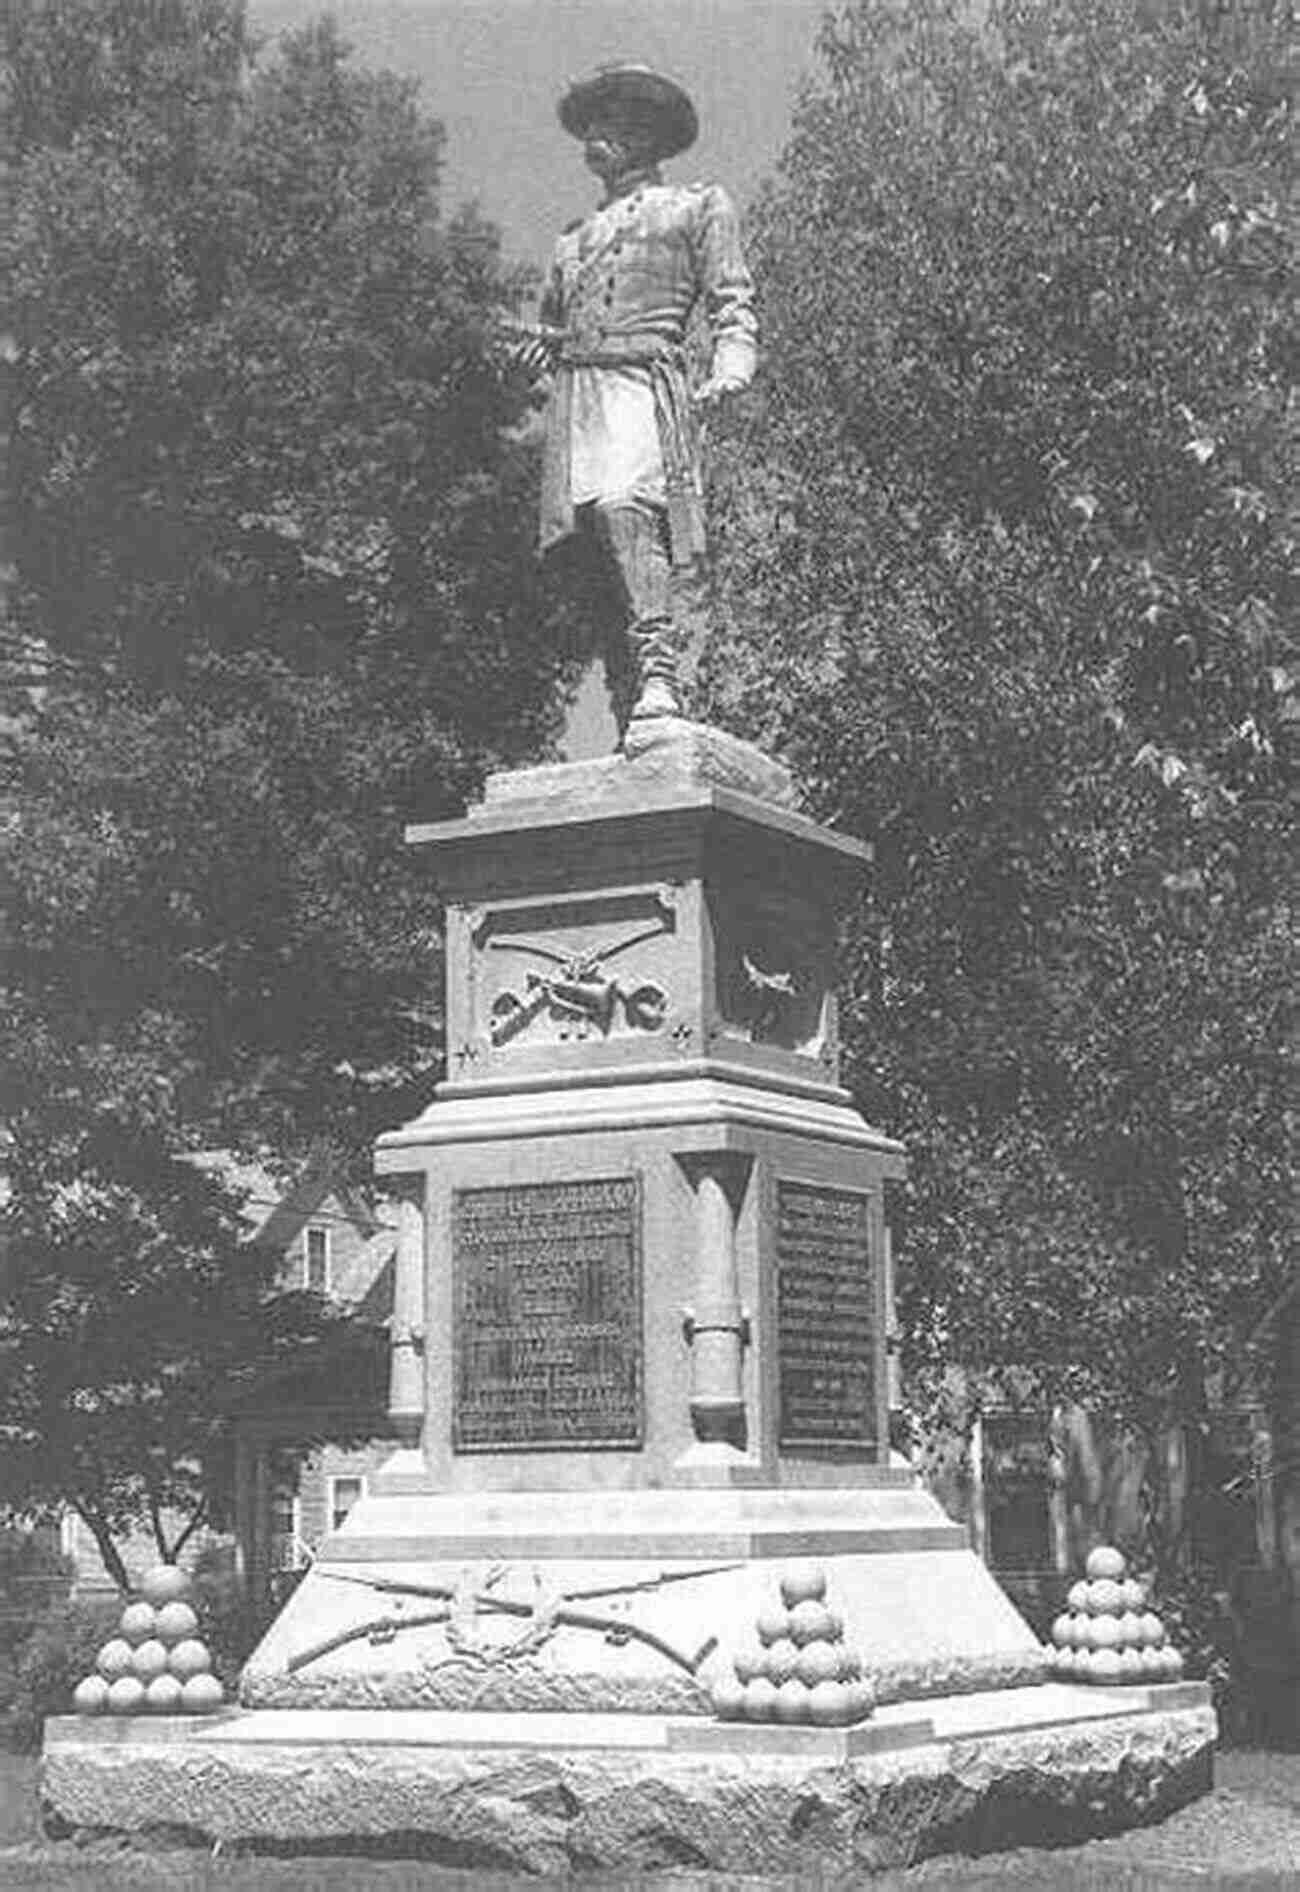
(1006, 554)
(275, 592)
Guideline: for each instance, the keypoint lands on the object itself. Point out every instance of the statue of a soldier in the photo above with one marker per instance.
(622, 450)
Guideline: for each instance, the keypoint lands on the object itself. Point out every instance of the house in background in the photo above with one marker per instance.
(304, 1442)
(307, 1439)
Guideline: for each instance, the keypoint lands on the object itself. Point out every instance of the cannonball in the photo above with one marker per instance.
(1130, 1630)
(782, 1661)
(1104, 1561)
(176, 1621)
(164, 1583)
(90, 1697)
(200, 1695)
(1063, 1660)
(1063, 1632)
(749, 1662)
(818, 1662)
(810, 1621)
(1078, 1598)
(1153, 1663)
(1103, 1632)
(1130, 1665)
(728, 1696)
(792, 1704)
(139, 1621)
(1135, 1595)
(760, 1698)
(1153, 1630)
(828, 1705)
(163, 1695)
(114, 1659)
(802, 1583)
(126, 1695)
(149, 1659)
(850, 1662)
(1103, 1665)
(1173, 1662)
(861, 1699)
(1105, 1598)
(192, 1657)
(773, 1624)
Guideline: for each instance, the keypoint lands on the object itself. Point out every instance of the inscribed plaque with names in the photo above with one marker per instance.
(826, 1320)
(547, 1338)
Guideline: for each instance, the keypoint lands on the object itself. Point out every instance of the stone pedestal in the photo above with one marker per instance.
(639, 1327)
(654, 1219)
(649, 1285)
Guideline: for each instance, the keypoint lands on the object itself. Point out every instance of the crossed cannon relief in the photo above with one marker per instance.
(579, 996)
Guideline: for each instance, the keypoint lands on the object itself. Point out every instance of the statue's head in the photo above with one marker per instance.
(628, 117)
(617, 143)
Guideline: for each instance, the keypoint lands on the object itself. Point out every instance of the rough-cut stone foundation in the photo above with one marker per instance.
(607, 1793)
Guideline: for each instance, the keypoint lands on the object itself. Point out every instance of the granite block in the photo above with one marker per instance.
(561, 1808)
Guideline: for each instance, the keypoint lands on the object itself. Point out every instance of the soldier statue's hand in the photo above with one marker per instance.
(715, 389)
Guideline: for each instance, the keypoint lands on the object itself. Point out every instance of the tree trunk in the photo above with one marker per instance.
(155, 1522)
(198, 1516)
(108, 1550)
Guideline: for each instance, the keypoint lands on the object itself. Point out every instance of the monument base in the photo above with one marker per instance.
(621, 1793)
(628, 1601)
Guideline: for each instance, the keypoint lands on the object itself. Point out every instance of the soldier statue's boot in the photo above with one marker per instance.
(635, 535)
(653, 647)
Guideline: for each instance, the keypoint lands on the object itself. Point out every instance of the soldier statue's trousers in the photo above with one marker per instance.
(634, 535)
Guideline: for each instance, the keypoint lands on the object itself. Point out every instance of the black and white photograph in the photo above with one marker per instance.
(648, 1094)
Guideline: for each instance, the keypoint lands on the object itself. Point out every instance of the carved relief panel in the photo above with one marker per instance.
(773, 957)
(582, 969)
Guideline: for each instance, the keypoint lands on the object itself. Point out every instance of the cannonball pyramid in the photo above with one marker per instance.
(1108, 1632)
(797, 1668)
(156, 1664)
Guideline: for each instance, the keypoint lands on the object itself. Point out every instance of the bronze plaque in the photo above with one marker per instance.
(547, 1341)
(826, 1320)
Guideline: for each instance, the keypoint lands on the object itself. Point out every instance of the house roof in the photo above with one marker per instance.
(278, 1203)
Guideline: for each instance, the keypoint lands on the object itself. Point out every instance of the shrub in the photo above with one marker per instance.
(33, 1576)
(47, 1667)
(230, 1624)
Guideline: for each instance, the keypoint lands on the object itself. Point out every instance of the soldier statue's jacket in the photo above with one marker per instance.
(623, 286)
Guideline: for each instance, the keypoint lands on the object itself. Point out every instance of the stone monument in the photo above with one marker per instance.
(642, 1532)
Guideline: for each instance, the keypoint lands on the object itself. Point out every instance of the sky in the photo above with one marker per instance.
(492, 70)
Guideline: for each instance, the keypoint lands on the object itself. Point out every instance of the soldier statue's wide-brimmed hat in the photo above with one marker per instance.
(655, 100)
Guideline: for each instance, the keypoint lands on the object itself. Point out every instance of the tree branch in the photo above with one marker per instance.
(111, 1557)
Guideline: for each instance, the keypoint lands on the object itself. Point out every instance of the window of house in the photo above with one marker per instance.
(288, 1552)
(318, 1260)
(1017, 1492)
(344, 1493)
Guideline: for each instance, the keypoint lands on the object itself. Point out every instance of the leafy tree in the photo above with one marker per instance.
(275, 592)
(131, 1310)
(1005, 571)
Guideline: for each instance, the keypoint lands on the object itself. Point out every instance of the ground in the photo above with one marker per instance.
(1245, 1835)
